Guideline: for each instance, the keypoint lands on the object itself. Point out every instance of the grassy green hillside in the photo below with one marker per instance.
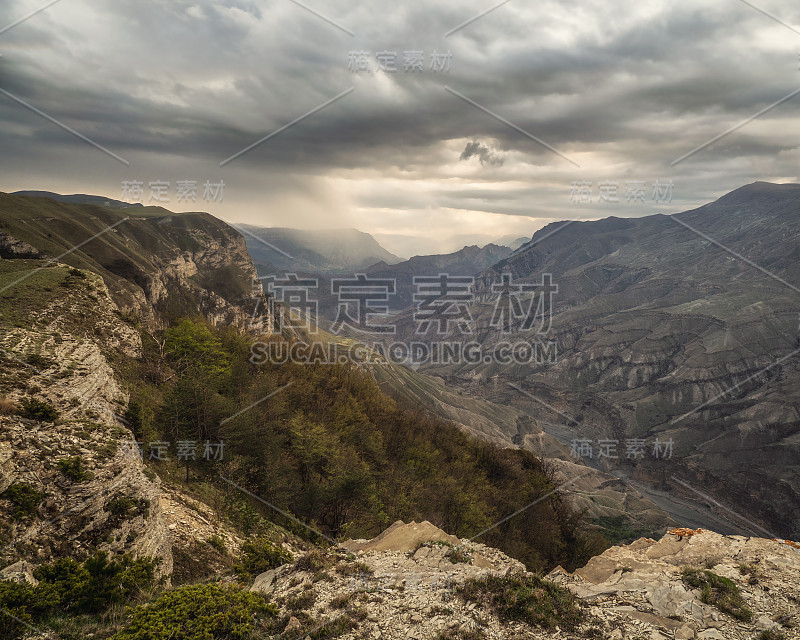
(127, 247)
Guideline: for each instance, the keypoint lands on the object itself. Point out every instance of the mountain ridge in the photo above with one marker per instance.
(315, 251)
(653, 320)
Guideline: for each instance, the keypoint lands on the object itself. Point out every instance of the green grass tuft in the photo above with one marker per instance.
(525, 598)
(717, 591)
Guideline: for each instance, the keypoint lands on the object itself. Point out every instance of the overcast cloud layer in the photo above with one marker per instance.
(621, 89)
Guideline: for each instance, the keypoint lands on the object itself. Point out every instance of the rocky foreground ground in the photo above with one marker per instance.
(413, 581)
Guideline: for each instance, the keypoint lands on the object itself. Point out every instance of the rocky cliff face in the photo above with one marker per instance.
(72, 460)
(651, 587)
(93, 490)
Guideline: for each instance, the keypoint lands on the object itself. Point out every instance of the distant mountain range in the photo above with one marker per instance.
(465, 262)
(682, 328)
(512, 241)
(314, 251)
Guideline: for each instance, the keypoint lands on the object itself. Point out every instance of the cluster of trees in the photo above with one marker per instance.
(339, 454)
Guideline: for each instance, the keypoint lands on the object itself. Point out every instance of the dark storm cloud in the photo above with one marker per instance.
(625, 90)
(483, 153)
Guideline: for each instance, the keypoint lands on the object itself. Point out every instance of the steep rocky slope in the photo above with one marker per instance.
(93, 491)
(660, 332)
(66, 333)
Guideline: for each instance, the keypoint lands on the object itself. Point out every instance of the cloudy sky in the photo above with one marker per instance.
(539, 96)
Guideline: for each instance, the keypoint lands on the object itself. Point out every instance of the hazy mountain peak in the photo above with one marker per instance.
(315, 250)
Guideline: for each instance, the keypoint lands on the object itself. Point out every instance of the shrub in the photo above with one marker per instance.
(340, 601)
(199, 612)
(73, 469)
(355, 569)
(750, 570)
(97, 583)
(718, 591)
(25, 500)
(123, 507)
(314, 561)
(39, 361)
(7, 406)
(459, 554)
(304, 600)
(35, 409)
(523, 598)
(258, 556)
(333, 628)
(23, 604)
(133, 417)
(217, 543)
(72, 588)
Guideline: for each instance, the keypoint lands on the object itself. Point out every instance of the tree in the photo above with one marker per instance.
(192, 345)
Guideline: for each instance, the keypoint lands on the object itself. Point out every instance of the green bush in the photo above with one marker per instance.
(134, 419)
(72, 588)
(123, 507)
(35, 409)
(717, 591)
(25, 603)
(217, 543)
(260, 555)
(39, 361)
(525, 598)
(24, 500)
(97, 583)
(73, 469)
(199, 612)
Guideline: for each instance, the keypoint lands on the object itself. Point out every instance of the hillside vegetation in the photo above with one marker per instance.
(339, 454)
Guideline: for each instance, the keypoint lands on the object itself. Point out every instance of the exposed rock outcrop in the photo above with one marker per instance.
(95, 493)
(398, 585)
(11, 248)
(640, 585)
